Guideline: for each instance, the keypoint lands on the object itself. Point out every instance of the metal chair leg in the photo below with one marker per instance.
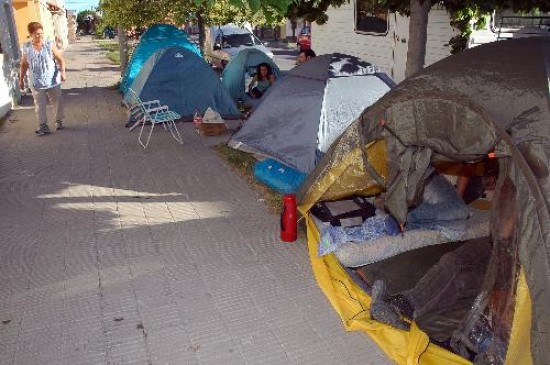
(148, 136)
(141, 132)
(175, 132)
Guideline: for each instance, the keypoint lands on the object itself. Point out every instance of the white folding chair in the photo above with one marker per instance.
(132, 102)
(152, 112)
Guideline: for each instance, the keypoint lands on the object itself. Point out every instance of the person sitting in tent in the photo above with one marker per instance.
(262, 80)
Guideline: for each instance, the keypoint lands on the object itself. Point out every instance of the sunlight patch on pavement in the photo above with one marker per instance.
(131, 206)
(81, 191)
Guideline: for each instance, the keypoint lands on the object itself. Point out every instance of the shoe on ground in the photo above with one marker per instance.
(43, 130)
(58, 125)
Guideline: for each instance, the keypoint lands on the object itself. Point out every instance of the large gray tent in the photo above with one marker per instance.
(301, 115)
(493, 99)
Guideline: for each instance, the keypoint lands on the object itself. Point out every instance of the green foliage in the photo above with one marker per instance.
(129, 13)
(315, 11)
(81, 15)
(469, 15)
(223, 12)
(462, 19)
(83, 25)
(272, 10)
(312, 11)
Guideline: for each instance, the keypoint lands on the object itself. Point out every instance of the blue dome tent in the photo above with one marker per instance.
(162, 31)
(157, 37)
(243, 66)
(183, 81)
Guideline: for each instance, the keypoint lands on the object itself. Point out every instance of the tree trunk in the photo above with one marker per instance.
(418, 33)
(205, 43)
(123, 49)
(293, 25)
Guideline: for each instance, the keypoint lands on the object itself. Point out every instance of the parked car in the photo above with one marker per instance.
(304, 39)
(229, 40)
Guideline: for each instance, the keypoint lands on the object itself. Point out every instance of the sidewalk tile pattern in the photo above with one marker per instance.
(111, 254)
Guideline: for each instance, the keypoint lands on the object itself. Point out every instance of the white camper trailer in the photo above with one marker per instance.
(381, 39)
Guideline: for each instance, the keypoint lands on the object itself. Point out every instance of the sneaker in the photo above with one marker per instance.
(58, 125)
(400, 303)
(382, 311)
(43, 130)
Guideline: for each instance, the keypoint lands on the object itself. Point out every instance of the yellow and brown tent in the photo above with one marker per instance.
(486, 100)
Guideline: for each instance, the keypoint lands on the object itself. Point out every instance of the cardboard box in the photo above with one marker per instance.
(210, 129)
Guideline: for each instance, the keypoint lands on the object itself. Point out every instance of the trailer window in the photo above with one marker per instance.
(370, 18)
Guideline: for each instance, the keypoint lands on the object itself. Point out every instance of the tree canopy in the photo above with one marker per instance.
(129, 13)
(143, 13)
(312, 11)
(87, 20)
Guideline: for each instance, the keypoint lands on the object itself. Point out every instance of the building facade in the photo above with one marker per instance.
(50, 13)
(9, 59)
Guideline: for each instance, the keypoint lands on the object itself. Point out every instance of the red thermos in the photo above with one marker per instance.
(289, 219)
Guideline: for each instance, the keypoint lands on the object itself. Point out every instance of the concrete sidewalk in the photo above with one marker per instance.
(111, 254)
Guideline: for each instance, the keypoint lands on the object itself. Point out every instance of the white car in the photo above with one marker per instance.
(229, 40)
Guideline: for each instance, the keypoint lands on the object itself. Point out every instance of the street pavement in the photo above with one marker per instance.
(112, 254)
(285, 57)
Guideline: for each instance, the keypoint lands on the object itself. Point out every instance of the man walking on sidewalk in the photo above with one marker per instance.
(46, 75)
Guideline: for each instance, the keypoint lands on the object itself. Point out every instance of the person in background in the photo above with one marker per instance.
(262, 80)
(47, 71)
(305, 56)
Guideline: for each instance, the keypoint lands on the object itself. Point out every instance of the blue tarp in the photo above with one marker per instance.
(157, 37)
(234, 75)
(184, 81)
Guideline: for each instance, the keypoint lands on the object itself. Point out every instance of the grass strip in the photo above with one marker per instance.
(243, 164)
